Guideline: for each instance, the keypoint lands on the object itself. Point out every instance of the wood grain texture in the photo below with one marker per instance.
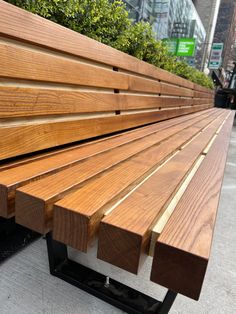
(202, 95)
(22, 102)
(53, 188)
(21, 63)
(18, 174)
(167, 89)
(124, 234)
(183, 248)
(12, 25)
(29, 137)
(159, 226)
(77, 216)
(201, 101)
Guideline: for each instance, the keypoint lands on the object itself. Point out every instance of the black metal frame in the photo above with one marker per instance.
(13, 237)
(102, 287)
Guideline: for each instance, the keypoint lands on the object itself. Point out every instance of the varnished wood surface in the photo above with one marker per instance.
(167, 89)
(81, 211)
(25, 137)
(26, 64)
(64, 87)
(50, 189)
(59, 87)
(183, 248)
(15, 176)
(21, 102)
(11, 25)
(126, 231)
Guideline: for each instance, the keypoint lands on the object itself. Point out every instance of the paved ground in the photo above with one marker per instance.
(27, 288)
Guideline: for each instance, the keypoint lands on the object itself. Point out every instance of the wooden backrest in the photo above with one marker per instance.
(59, 87)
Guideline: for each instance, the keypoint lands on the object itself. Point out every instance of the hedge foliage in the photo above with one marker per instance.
(108, 22)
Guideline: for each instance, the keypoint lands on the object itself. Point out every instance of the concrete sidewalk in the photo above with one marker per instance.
(27, 288)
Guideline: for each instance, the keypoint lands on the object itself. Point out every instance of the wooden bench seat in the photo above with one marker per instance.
(183, 249)
(36, 199)
(96, 145)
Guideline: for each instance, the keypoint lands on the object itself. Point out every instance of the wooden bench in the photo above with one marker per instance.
(96, 144)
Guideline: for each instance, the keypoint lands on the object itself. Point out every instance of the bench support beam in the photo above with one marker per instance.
(102, 287)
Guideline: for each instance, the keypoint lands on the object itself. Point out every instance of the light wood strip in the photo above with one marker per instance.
(125, 233)
(25, 138)
(77, 216)
(36, 199)
(19, 24)
(183, 248)
(157, 229)
(21, 174)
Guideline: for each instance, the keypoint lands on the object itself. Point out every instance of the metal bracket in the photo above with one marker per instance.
(103, 287)
(13, 237)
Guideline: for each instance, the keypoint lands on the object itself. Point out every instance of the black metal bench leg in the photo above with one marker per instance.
(167, 302)
(13, 237)
(101, 286)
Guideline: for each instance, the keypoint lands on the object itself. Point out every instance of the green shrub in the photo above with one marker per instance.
(109, 23)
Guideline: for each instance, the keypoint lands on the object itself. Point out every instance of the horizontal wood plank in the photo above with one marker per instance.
(125, 233)
(203, 95)
(183, 248)
(22, 102)
(29, 137)
(167, 89)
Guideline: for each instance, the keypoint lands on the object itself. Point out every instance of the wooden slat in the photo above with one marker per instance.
(167, 89)
(29, 137)
(23, 173)
(19, 24)
(183, 248)
(201, 101)
(4, 165)
(124, 234)
(159, 226)
(202, 95)
(203, 89)
(19, 63)
(21, 102)
(37, 198)
(77, 216)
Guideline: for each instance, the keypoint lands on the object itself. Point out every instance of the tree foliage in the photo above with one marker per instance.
(108, 22)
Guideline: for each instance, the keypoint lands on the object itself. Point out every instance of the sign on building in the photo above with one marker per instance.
(186, 47)
(172, 45)
(216, 56)
(181, 47)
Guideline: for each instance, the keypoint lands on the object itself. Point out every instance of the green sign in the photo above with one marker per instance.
(181, 47)
(186, 47)
(172, 45)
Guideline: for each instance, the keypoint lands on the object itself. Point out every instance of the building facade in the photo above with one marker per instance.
(171, 19)
(208, 12)
(226, 32)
